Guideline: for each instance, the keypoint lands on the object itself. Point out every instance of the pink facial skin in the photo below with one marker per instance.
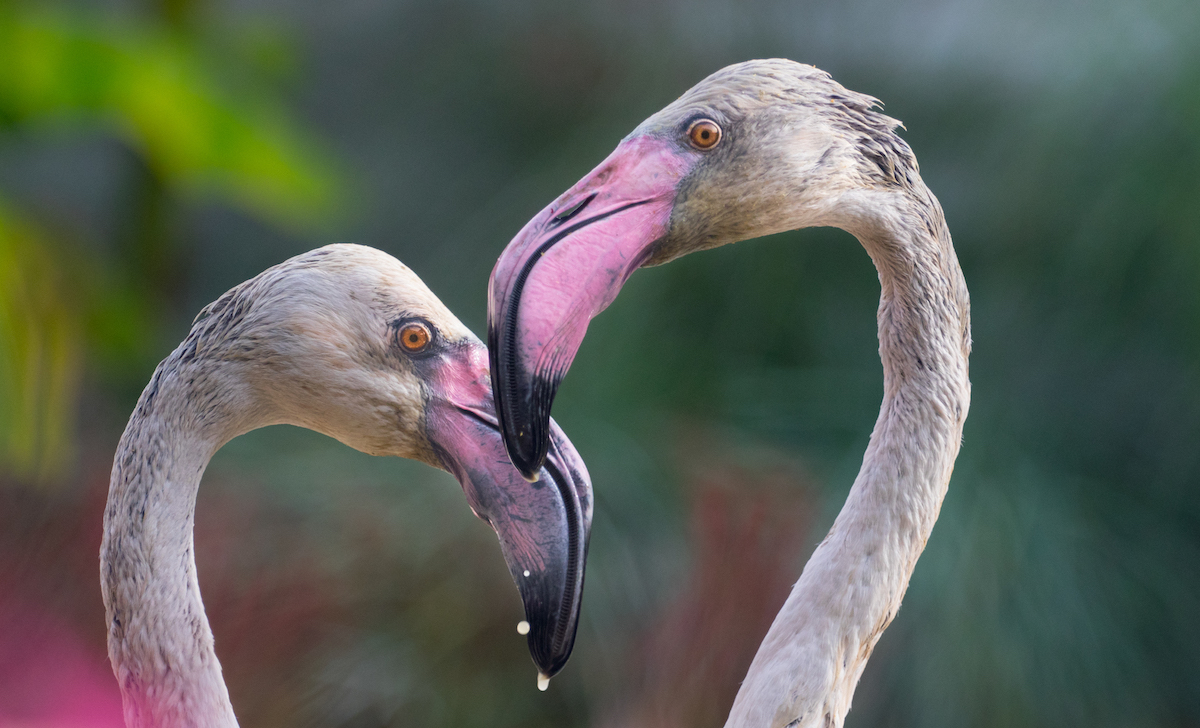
(543, 526)
(564, 268)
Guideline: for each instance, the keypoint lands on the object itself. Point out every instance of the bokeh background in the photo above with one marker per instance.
(154, 153)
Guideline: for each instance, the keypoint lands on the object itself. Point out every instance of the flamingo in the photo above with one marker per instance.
(757, 148)
(347, 341)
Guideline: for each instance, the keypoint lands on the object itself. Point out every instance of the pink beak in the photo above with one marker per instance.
(564, 267)
(543, 527)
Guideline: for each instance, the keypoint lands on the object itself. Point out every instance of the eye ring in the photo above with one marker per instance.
(704, 134)
(414, 337)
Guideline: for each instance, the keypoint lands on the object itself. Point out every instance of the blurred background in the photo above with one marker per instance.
(154, 153)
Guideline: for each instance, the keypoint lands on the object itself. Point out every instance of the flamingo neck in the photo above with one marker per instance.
(805, 672)
(159, 640)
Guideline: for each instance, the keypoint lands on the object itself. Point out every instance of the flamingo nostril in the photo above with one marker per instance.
(573, 210)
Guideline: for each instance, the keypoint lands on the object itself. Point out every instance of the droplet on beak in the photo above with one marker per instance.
(522, 627)
(543, 682)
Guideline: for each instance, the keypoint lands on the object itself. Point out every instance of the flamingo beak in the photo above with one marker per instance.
(543, 527)
(564, 267)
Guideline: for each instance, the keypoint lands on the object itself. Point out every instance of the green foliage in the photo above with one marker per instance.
(40, 353)
(155, 89)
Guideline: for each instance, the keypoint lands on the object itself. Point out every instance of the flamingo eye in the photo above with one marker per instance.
(704, 134)
(414, 337)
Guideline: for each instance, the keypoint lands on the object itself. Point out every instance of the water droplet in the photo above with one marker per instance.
(543, 682)
(522, 627)
(527, 572)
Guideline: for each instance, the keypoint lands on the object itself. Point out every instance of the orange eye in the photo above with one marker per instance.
(414, 337)
(704, 134)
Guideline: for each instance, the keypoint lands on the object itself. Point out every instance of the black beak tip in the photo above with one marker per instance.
(552, 622)
(553, 664)
(523, 452)
(525, 439)
(550, 653)
(552, 594)
(525, 424)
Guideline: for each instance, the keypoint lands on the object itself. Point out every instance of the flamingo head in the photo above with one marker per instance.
(757, 148)
(347, 341)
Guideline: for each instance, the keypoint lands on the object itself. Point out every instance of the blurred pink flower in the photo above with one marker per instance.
(49, 676)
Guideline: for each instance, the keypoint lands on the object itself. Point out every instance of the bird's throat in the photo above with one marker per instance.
(159, 640)
(806, 670)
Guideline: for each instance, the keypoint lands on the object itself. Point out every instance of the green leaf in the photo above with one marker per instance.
(155, 89)
(40, 354)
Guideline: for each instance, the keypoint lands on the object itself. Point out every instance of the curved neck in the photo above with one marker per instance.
(806, 669)
(159, 639)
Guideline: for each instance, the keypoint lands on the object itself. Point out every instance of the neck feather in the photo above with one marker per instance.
(806, 670)
(159, 640)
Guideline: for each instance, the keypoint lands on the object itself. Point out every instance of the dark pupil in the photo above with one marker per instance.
(413, 338)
